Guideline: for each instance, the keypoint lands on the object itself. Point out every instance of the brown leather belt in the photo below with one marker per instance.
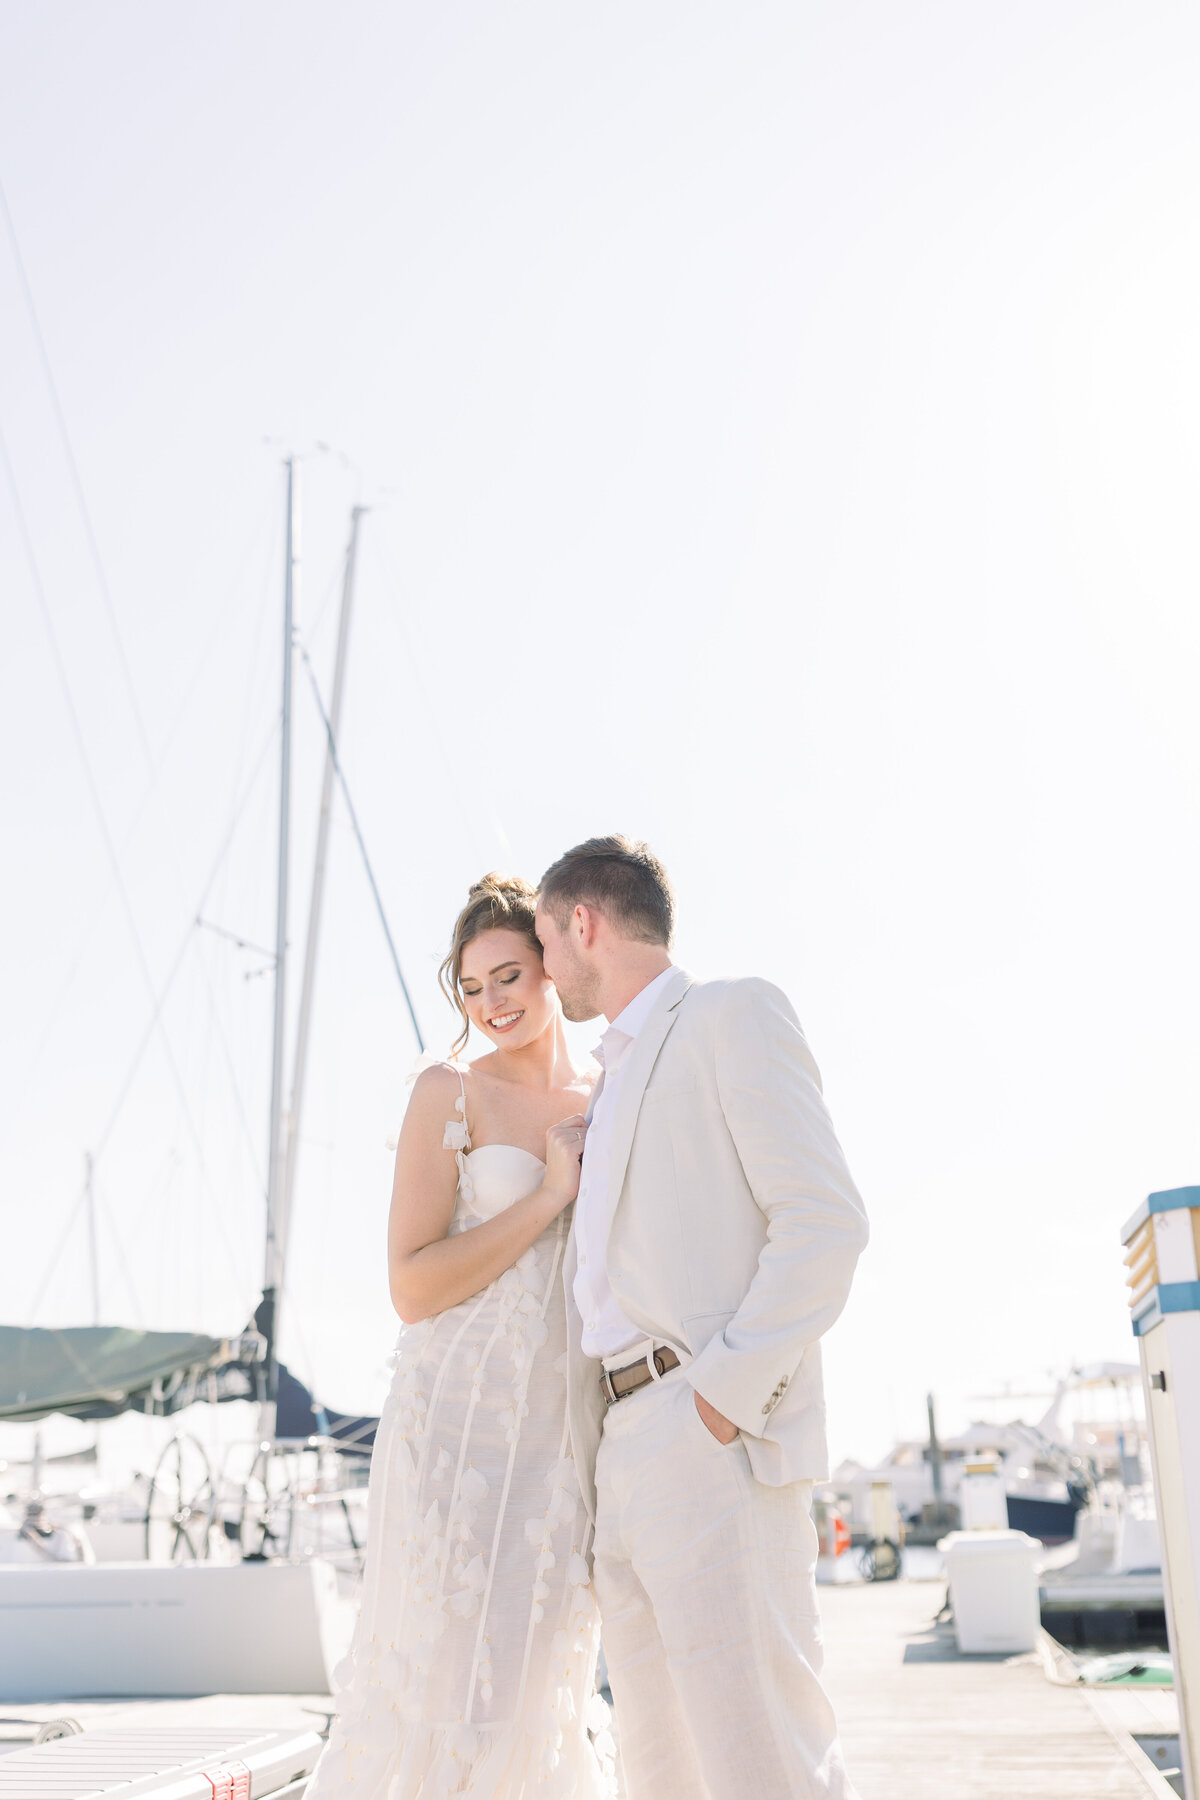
(617, 1384)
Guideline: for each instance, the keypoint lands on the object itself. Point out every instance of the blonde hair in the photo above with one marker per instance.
(498, 902)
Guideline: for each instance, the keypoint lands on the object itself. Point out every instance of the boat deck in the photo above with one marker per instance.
(921, 1722)
(270, 1712)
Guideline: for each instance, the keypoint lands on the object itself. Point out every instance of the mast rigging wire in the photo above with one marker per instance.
(337, 765)
(77, 485)
(152, 767)
(156, 1024)
(123, 1092)
(59, 1247)
(49, 1019)
(231, 937)
(93, 790)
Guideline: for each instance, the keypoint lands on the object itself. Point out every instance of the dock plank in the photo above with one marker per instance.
(919, 1722)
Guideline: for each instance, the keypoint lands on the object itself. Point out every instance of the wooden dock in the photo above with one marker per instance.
(920, 1722)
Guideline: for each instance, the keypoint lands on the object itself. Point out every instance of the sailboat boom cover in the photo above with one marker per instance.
(98, 1371)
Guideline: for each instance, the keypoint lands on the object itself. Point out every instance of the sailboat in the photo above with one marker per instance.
(253, 1563)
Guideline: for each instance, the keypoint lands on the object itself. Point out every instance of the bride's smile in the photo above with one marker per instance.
(505, 990)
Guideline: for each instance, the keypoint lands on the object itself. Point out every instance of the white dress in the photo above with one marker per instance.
(473, 1664)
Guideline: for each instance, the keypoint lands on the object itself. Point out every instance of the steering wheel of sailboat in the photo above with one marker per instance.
(181, 1504)
(269, 1499)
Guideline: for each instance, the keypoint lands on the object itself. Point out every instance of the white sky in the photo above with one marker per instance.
(782, 425)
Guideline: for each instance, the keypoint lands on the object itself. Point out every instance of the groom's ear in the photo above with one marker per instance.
(586, 922)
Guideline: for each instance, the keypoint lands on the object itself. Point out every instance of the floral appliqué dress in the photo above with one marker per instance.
(473, 1664)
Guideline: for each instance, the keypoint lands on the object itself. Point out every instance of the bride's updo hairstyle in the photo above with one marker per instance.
(498, 902)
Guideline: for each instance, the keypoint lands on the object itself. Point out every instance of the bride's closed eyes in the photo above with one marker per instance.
(504, 980)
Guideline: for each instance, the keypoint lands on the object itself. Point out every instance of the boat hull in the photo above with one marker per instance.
(1053, 1521)
(118, 1629)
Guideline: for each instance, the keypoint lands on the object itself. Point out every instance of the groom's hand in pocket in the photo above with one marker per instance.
(723, 1429)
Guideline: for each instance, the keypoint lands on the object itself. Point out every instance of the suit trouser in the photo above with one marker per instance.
(706, 1584)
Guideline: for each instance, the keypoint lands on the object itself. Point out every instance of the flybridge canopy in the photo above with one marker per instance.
(98, 1371)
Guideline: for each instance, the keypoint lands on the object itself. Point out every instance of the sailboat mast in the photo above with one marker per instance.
(304, 1015)
(276, 1146)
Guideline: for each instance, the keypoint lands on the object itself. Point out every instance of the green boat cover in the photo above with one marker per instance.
(98, 1371)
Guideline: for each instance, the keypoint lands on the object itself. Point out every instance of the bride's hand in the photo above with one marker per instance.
(564, 1153)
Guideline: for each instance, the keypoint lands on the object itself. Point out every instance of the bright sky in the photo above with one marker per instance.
(781, 427)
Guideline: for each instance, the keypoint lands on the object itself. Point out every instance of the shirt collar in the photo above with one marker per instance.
(634, 1016)
(616, 1042)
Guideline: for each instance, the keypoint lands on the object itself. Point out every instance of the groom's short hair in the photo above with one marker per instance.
(622, 879)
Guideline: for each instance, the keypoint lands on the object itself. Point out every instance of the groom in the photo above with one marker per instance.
(716, 1233)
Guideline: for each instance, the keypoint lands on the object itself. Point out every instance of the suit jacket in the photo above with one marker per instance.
(736, 1225)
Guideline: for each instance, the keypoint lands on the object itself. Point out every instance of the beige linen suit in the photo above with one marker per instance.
(735, 1231)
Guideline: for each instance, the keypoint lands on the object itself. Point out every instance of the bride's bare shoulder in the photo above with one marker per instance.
(436, 1082)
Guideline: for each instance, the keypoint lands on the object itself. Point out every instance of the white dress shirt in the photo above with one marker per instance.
(606, 1330)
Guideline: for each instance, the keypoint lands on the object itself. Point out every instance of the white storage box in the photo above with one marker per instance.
(993, 1590)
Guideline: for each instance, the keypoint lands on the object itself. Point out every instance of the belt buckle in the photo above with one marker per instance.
(611, 1395)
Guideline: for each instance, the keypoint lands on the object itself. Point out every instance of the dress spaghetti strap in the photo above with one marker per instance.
(458, 1137)
(460, 1105)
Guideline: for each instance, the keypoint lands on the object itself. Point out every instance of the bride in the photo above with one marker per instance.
(474, 1657)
